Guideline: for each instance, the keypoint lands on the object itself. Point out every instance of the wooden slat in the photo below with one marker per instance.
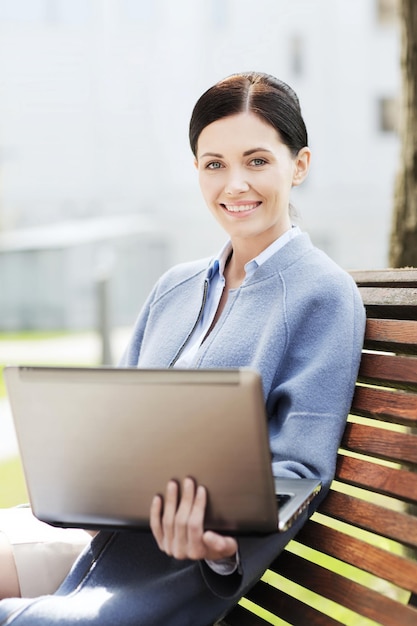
(380, 443)
(385, 277)
(389, 297)
(296, 612)
(381, 563)
(348, 593)
(387, 303)
(401, 312)
(388, 481)
(240, 616)
(389, 405)
(392, 335)
(391, 524)
(398, 371)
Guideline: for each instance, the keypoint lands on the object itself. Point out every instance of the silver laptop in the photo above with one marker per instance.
(97, 443)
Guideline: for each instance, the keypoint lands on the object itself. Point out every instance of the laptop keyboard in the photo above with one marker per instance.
(282, 498)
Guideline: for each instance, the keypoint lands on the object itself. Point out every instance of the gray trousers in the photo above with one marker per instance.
(109, 586)
(123, 579)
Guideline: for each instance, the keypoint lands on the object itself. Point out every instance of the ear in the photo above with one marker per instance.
(196, 164)
(301, 166)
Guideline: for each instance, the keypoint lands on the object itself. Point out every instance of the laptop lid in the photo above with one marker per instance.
(97, 443)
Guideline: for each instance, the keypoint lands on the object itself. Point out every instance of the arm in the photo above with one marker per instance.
(310, 401)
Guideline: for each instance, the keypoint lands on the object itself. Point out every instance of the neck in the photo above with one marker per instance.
(234, 272)
(246, 249)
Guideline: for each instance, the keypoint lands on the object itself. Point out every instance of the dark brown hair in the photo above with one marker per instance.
(262, 94)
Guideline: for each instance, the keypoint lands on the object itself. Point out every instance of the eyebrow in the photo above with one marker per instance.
(258, 149)
(246, 153)
(211, 154)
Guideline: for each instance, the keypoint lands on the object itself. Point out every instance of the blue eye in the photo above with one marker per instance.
(214, 165)
(258, 161)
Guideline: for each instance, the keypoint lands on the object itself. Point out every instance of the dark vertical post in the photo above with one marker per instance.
(104, 318)
(104, 271)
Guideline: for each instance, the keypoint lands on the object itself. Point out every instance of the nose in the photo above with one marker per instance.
(236, 183)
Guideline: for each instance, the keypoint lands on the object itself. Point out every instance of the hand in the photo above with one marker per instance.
(178, 528)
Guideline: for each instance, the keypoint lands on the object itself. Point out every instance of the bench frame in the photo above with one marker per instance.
(355, 561)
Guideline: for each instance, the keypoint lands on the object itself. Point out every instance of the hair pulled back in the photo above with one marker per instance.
(255, 92)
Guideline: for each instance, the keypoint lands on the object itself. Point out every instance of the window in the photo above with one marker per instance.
(387, 11)
(388, 115)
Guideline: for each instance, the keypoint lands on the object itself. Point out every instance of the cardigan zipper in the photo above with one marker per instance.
(200, 313)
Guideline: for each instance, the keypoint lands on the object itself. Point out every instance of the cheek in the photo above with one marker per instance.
(209, 187)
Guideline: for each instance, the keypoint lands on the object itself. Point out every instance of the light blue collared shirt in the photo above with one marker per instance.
(215, 276)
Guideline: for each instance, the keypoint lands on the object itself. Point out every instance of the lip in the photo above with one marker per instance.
(241, 208)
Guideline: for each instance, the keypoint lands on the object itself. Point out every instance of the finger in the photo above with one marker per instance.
(168, 516)
(196, 546)
(185, 505)
(155, 519)
(219, 546)
(180, 542)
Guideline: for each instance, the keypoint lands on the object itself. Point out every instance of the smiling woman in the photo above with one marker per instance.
(269, 300)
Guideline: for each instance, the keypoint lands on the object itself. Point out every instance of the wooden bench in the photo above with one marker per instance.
(355, 561)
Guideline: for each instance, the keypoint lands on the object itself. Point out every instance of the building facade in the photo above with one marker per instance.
(95, 98)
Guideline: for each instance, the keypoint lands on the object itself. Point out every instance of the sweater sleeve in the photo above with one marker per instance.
(131, 354)
(309, 404)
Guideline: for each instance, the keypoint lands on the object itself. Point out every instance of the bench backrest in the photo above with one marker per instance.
(355, 561)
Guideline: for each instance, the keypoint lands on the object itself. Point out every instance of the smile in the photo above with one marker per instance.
(241, 208)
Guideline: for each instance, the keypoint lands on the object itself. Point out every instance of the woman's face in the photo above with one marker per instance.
(246, 174)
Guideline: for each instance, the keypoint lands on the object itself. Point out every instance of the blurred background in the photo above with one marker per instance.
(96, 171)
(98, 193)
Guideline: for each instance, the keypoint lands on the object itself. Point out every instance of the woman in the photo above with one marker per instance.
(270, 300)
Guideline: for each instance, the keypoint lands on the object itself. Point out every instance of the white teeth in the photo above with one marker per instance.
(239, 208)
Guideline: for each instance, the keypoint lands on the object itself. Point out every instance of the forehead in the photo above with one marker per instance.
(239, 132)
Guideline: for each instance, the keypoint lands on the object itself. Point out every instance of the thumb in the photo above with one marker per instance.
(219, 546)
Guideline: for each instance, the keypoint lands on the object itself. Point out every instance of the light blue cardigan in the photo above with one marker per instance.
(298, 320)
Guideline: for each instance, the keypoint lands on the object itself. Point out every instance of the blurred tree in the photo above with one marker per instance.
(403, 244)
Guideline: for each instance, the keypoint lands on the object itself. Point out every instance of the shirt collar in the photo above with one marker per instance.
(219, 262)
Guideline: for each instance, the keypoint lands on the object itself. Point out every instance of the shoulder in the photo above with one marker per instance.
(316, 267)
(182, 273)
(312, 277)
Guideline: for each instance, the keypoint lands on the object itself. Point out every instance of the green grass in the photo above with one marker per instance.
(2, 385)
(25, 335)
(35, 336)
(12, 483)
